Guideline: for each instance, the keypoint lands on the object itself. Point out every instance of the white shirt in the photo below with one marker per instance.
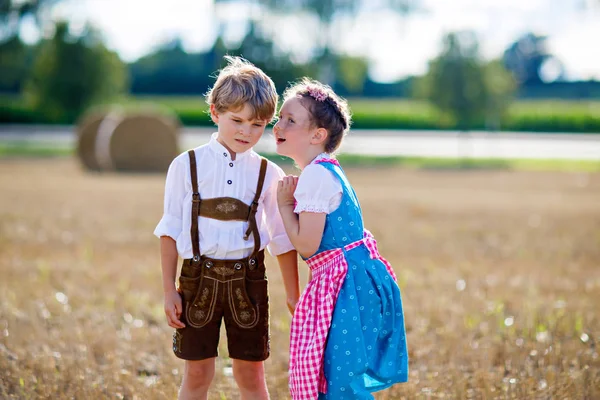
(318, 190)
(220, 176)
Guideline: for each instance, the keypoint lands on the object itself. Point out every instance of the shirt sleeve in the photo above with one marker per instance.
(279, 242)
(318, 190)
(175, 191)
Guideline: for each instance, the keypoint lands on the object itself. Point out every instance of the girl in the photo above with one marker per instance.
(347, 337)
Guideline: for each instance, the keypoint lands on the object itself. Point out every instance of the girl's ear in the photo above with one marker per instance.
(319, 136)
(213, 114)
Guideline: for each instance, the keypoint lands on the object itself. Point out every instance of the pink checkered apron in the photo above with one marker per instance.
(312, 317)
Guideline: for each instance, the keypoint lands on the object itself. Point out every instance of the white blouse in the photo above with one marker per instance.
(220, 176)
(318, 190)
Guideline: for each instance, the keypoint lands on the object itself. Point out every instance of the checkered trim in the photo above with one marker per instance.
(328, 160)
(313, 314)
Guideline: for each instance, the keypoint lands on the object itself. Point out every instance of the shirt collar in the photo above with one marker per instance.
(218, 148)
(322, 156)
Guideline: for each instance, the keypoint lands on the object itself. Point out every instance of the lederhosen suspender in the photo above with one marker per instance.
(224, 208)
(195, 207)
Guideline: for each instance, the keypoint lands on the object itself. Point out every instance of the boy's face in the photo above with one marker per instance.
(237, 131)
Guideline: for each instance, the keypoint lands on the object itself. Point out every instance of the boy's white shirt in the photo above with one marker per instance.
(222, 239)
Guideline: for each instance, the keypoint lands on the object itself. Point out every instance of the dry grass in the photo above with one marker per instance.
(499, 272)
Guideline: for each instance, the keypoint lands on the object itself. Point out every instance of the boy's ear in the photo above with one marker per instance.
(213, 114)
(319, 136)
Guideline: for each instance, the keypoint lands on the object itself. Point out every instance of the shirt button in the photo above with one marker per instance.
(231, 164)
(229, 182)
(224, 154)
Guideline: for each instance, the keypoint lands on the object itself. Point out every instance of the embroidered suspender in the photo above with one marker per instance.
(224, 208)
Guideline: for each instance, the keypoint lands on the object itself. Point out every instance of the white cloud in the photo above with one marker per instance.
(577, 47)
(28, 31)
(396, 46)
(133, 27)
(294, 34)
(400, 47)
(498, 23)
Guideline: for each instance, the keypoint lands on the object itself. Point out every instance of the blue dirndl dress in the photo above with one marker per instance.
(366, 347)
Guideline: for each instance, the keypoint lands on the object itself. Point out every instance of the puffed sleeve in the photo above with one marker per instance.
(175, 191)
(279, 242)
(318, 190)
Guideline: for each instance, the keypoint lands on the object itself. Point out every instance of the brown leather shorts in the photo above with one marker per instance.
(233, 290)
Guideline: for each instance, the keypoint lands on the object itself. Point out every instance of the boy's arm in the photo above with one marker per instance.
(168, 228)
(168, 258)
(279, 243)
(288, 263)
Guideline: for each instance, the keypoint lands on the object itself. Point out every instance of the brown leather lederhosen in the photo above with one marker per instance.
(233, 290)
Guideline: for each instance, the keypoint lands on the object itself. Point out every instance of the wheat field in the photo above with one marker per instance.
(499, 272)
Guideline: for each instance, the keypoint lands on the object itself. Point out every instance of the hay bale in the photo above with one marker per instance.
(87, 131)
(104, 138)
(140, 141)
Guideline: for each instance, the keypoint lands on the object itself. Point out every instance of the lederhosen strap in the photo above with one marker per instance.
(252, 225)
(195, 207)
(224, 208)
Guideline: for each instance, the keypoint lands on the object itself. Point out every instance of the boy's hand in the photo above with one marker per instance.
(173, 309)
(285, 191)
(291, 304)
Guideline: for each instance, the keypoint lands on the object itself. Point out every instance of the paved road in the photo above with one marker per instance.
(382, 143)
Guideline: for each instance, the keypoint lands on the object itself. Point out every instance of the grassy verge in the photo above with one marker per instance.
(432, 163)
(527, 116)
(27, 149)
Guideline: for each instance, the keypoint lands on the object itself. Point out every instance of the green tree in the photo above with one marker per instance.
(500, 88)
(16, 56)
(468, 91)
(325, 12)
(71, 74)
(352, 73)
(261, 51)
(526, 57)
(12, 13)
(15, 60)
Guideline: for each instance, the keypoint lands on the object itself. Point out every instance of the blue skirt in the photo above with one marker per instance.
(366, 346)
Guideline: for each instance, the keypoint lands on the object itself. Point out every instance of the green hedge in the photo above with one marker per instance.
(533, 116)
(16, 112)
(554, 116)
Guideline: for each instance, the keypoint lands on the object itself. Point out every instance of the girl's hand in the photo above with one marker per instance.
(285, 191)
(173, 309)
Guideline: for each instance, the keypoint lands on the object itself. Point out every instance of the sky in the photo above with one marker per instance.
(395, 46)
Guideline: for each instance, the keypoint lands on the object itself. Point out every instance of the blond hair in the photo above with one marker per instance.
(241, 83)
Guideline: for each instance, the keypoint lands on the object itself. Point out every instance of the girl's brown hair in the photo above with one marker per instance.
(327, 109)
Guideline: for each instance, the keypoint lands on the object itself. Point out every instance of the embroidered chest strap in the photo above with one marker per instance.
(224, 208)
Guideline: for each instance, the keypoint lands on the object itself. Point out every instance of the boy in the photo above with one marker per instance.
(220, 212)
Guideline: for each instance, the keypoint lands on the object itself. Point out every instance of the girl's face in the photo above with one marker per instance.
(293, 130)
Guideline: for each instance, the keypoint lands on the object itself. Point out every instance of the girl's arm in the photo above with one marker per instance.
(288, 263)
(305, 231)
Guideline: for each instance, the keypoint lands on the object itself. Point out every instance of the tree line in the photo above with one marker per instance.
(64, 75)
